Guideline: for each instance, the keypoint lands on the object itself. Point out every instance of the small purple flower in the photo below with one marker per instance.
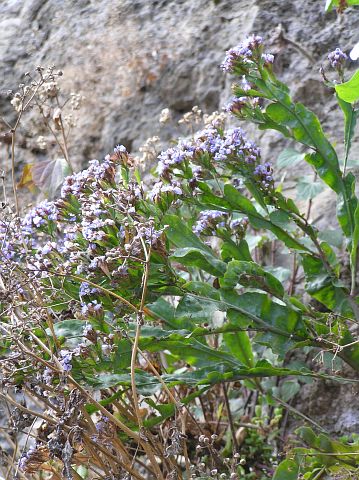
(122, 270)
(337, 58)
(66, 359)
(39, 216)
(268, 58)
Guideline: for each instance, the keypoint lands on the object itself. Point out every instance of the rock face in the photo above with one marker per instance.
(132, 58)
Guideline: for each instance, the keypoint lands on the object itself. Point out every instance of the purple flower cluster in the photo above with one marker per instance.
(232, 143)
(91, 309)
(243, 52)
(174, 156)
(90, 178)
(86, 289)
(225, 150)
(160, 188)
(337, 58)
(210, 140)
(39, 216)
(66, 359)
(208, 221)
(264, 173)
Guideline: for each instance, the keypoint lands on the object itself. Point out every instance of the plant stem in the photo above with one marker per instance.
(230, 419)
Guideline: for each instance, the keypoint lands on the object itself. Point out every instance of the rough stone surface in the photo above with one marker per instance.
(132, 58)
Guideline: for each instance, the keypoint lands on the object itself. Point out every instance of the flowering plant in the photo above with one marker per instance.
(140, 316)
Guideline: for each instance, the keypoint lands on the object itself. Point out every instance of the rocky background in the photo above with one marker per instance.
(130, 59)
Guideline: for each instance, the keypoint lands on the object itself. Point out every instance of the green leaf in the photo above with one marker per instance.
(238, 251)
(346, 205)
(164, 311)
(191, 252)
(350, 119)
(307, 189)
(146, 384)
(325, 288)
(333, 237)
(289, 157)
(250, 274)
(324, 444)
(281, 327)
(69, 328)
(238, 343)
(123, 354)
(243, 205)
(349, 91)
(287, 470)
(354, 249)
(181, 235)
(289, 389)
(191, 311)
(329, 5)
(189, 349)
(195, 257)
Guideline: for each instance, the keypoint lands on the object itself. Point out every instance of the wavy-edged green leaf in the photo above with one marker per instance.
(237, 251)
(250, 274)
(354, 249)
(199, 258)
(322, 444)
(287, 470)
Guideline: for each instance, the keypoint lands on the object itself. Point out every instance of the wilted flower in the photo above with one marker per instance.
(165, 115)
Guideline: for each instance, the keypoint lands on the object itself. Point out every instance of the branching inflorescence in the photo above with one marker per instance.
(138, 315)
